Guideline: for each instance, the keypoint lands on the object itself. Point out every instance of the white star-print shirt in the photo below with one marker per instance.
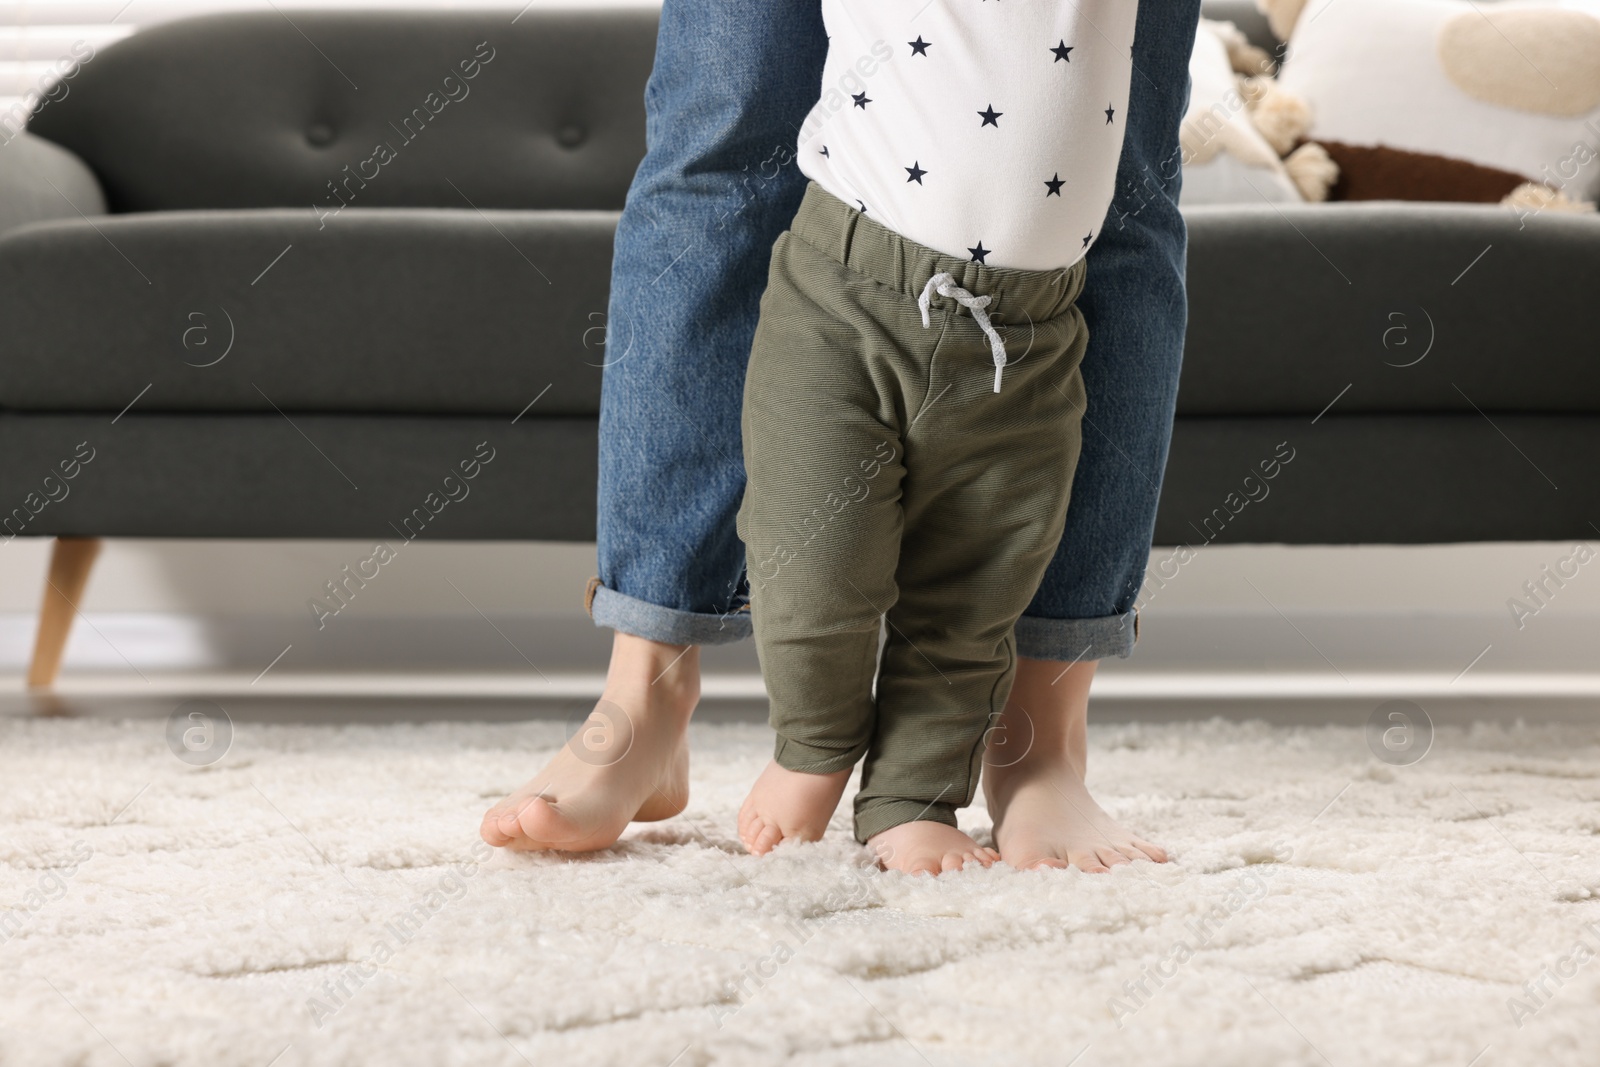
(985, 129)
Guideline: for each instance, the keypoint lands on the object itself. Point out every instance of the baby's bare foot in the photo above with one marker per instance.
(628, 762)
(928, 848)
(786, 804)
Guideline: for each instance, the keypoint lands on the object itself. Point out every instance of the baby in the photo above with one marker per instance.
(913, 404)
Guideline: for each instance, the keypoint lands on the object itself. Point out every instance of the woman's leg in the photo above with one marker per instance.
(1084, 610)
(731, 85)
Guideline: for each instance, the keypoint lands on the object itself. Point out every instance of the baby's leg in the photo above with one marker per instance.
(987, 482)
(821, 525)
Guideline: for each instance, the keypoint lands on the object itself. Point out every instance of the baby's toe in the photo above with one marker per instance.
(750, 823)
(764, 836)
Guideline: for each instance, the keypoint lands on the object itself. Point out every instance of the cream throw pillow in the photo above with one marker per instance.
(1513, 85)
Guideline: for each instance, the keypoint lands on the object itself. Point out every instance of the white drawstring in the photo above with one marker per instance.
(944, 283)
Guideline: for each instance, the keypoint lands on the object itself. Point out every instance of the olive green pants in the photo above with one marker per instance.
(888, 483)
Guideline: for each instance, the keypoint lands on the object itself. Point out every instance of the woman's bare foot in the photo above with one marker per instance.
(1033, 777)
(786, 804)
(928, 848)
(628, 762)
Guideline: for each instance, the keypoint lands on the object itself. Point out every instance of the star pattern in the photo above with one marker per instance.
(1025, 123)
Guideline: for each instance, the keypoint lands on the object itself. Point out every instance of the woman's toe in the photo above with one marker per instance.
(1087, 861)
(1111, 857)
(1154, 852)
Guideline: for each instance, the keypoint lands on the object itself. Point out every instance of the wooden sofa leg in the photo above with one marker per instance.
(71, 559)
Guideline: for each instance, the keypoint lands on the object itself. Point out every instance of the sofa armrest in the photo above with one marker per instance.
(40, 180)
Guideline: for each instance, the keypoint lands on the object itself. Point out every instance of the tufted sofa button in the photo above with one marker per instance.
(571, 135)
(319, 134)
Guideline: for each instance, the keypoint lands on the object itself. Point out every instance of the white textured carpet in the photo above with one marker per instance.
(209, 922)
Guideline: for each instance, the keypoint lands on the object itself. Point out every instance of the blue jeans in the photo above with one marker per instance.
(732, 83)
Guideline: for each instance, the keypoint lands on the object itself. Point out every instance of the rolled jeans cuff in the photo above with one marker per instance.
(1078, 640)
(629, 615)
(878, 814)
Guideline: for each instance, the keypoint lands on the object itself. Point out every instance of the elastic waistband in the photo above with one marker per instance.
(838, 230)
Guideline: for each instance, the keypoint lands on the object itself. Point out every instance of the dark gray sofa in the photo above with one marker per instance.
(243, 363)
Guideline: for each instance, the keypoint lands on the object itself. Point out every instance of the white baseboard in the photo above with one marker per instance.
(1146, 686)
(1173, 642)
